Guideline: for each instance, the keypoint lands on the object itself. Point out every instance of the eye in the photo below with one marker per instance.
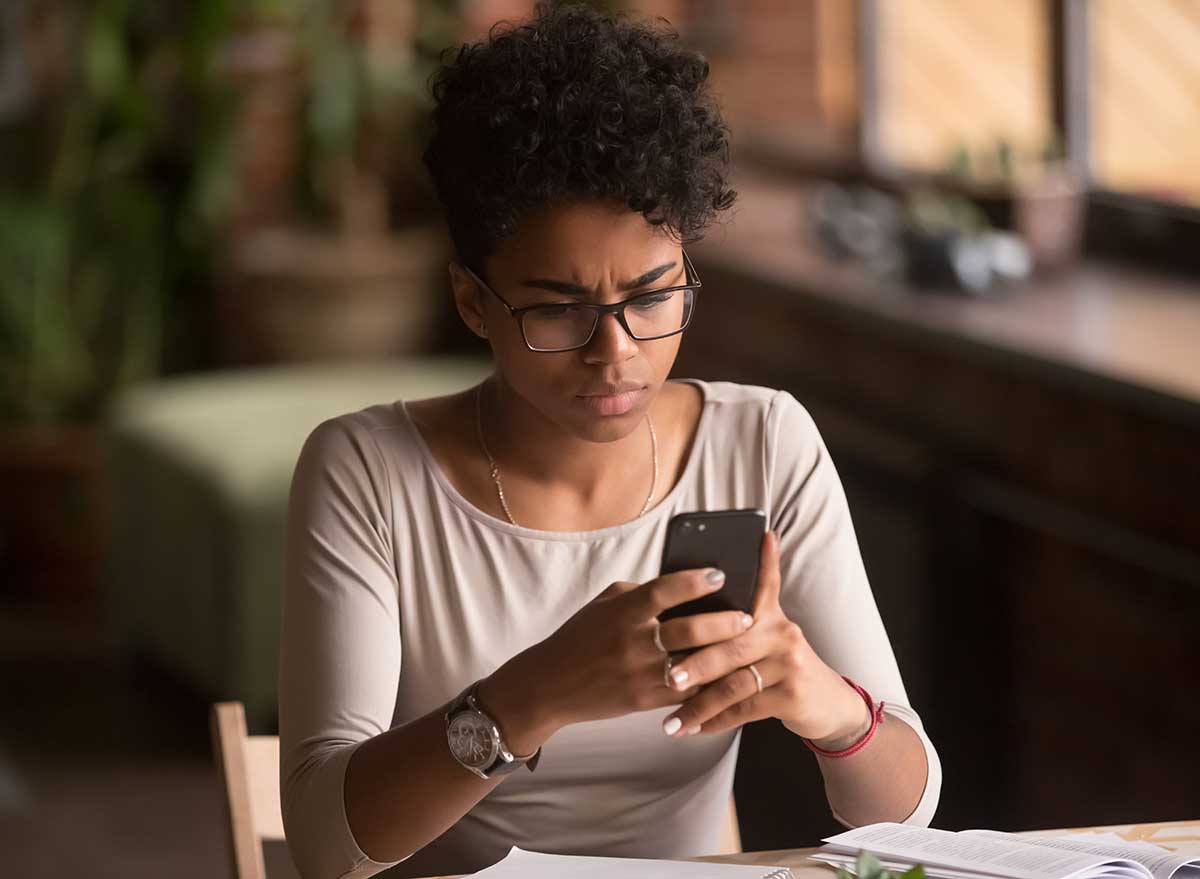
(651, 302)
(556, 310)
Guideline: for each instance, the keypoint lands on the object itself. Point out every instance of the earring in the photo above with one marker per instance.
(482, 329)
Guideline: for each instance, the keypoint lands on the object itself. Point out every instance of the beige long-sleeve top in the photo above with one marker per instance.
(399, 593)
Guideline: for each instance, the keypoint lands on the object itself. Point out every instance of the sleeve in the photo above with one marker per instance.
(824, 587)
(339, 661)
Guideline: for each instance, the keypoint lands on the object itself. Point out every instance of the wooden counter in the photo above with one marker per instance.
(1129, 335)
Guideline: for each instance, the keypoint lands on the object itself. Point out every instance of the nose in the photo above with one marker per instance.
(610, 341)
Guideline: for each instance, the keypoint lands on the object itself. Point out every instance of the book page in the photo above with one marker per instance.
(847, 862)
(521, 864)
(1163, 864)
(1000, 855)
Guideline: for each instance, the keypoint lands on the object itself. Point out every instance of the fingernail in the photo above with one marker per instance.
(692, 730)
(747, 621)
(715, 575)
(671, 725)
(679, 676)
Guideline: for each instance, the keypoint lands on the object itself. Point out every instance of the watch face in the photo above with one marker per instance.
(472, 740)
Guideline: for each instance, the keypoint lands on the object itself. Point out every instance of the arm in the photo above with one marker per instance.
(345, 777)
(883, 782)
(897, 776)
(412, 764)
(815, 620)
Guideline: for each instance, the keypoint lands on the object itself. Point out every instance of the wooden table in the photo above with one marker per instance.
(1183, 836)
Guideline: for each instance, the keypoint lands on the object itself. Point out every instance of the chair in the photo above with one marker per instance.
(249, 770)
(731, 837)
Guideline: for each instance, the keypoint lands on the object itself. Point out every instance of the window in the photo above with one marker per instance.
(1144, 96)
(961, 81)
(1113, 85)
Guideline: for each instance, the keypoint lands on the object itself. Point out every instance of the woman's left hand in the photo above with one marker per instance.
(798, 687)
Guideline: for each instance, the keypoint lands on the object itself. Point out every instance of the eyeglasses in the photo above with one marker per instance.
(566, 326)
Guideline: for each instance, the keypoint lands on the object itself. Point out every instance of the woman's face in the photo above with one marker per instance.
(602, 249)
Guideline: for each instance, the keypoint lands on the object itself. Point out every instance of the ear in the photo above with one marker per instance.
(468, 299)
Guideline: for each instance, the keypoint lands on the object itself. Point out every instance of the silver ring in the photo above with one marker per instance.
(757, 676)
(658, 638)
(667, 671)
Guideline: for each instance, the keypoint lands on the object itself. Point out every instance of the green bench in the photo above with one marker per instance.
(201, 467)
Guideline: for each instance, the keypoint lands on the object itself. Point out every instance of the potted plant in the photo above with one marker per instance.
(1038, 195)
(112, 182)
(355, 272)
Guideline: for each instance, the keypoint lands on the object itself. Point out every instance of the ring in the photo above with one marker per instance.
(667, 671)
(658, 637)
(757, 676)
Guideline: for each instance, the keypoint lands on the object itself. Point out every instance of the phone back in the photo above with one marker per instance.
(727, 539)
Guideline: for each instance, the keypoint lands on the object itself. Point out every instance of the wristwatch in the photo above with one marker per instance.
(476, 742)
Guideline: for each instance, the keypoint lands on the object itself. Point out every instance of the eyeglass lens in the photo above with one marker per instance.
(569, 325)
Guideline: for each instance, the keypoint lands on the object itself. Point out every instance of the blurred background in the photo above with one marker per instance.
(967, 238)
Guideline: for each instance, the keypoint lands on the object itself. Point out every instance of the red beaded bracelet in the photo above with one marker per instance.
(876, 719)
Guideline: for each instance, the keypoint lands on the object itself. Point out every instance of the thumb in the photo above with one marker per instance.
(768, 573)
(619, 587)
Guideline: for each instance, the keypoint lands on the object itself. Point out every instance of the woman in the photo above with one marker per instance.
(509, 536)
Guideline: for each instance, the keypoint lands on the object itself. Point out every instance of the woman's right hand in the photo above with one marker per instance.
(603, 662)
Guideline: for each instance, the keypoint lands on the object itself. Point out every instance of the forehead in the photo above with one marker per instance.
(591, 243)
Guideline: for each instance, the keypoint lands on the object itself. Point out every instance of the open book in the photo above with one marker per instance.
(521, 864)
(990, 854)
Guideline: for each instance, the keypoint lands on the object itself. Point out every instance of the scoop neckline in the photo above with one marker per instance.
(653, 514)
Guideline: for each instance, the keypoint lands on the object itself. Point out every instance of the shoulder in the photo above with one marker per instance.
(727, 394)
(769, 431)
(347, 450)
(777, 412)
(350, 433)
(446, 422)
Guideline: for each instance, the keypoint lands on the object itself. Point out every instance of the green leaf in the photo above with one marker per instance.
(105, 62)
(336, 100)
(868, 866)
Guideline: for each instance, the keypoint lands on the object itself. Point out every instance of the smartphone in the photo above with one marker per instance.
(727, 539)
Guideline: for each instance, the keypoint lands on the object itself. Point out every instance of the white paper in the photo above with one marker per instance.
(1160, 862)
(934, 871)
(997, 854)
(522, 864)
(847, 862)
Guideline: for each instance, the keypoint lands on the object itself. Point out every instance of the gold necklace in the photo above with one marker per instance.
(496, 469)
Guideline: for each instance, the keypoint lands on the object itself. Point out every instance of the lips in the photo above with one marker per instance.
(611, 404)
(610, 390)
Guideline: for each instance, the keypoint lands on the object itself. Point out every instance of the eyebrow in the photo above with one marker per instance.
(568, 289)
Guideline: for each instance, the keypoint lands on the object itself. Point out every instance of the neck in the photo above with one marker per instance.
(528, 446)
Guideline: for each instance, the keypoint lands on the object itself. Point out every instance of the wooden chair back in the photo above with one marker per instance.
(731, 837)
(248, 767)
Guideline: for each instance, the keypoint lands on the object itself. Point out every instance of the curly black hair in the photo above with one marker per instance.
(575, 103)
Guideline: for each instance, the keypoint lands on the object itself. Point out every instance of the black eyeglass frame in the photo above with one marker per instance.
(617, 308)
